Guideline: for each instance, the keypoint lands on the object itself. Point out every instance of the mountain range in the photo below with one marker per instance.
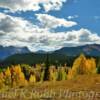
(10, 50)
(91, 50)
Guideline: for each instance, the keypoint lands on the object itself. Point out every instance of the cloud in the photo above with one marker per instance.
(48, 21)
(12, 25)
(72, 17)
(25, 5)
(15, 31)
(53, 5)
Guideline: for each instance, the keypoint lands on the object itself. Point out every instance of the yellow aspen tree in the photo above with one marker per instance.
(71, 74)
(53, 73)
(18, 77)
(8, 80)
(2, 80)
(64, 74)
(91, 66)
(32, 79)
(17, 69)
(79, 64)
(42, 76)
(22, 79)
(50, 74)
(7, 72)
(79, 67)
(53, 76)
(15, 79)
(88, 66)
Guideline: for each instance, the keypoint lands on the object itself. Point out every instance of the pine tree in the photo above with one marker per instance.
(46, 72)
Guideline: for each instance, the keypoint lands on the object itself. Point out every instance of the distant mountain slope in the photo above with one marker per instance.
(34, 58)
(66, 54)
(25, 55)
(8, 51)
(91, 50)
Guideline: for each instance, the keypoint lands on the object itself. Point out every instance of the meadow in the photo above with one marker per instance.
(81, 81)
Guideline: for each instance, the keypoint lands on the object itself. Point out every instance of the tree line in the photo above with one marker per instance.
(23, 74)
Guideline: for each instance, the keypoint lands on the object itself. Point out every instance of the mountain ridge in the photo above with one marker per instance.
(11, 50)
(90, 49)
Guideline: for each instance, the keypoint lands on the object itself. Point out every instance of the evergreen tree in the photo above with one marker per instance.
(46, 72)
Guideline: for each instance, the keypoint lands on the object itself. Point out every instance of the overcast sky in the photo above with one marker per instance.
(49, 24)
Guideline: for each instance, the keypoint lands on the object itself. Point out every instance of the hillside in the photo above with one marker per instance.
(34, 58)
(61, 56)
(91, 50)
(10, 50)
(60, 90)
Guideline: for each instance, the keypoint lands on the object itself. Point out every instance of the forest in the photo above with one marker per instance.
(23, 74)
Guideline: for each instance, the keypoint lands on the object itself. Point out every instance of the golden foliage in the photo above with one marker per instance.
(82, 65)
(17, 69)
(91, 66)
(7, 72)
(21, 75)
(1, 80)
(32, 79)
(21, 78)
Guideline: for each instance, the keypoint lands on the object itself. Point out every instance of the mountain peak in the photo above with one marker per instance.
(11, 50)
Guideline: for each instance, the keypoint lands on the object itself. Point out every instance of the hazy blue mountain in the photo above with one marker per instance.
(41, 51)
(66, 54)
(92, 50)
(10, 50)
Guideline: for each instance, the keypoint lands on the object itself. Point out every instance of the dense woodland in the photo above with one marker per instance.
(31, 59)
(24, 74)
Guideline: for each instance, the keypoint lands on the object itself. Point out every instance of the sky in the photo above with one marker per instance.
(49, 24)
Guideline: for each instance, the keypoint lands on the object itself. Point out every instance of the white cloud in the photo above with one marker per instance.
(72, 17)
(48, 21)
(25, 5)
(53, 5)
(16, 31)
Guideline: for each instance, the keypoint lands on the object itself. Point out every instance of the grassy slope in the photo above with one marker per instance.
(81, 83)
